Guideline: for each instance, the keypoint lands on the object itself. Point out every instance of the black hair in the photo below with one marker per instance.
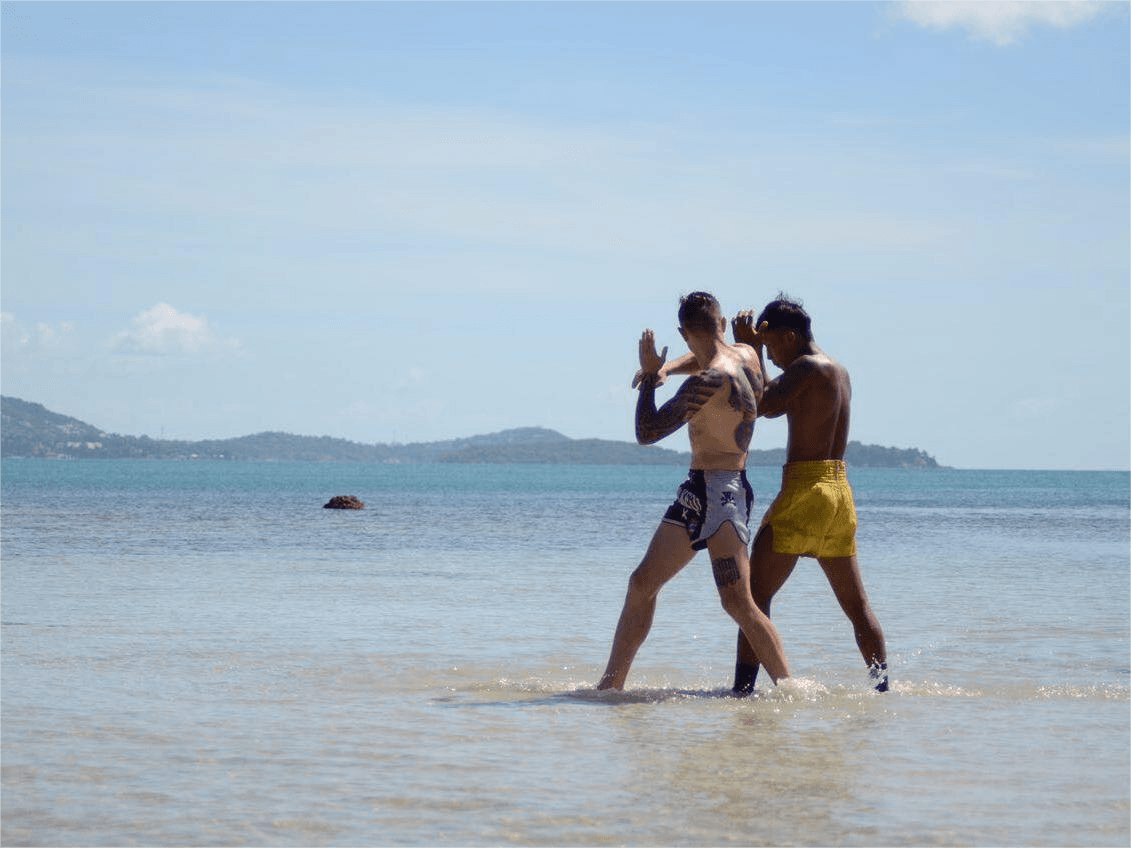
(787, 314)
(699, 311)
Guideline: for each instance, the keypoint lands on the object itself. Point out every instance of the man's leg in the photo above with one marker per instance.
(843, 574)
(669, 552)
(768, 573)
(731, 567)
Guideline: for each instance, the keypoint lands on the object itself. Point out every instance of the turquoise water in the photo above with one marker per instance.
(197, 653)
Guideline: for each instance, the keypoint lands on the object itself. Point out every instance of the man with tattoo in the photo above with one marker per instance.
(814, 514)
(712, 507)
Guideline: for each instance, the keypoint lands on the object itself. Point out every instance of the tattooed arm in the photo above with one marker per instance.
(654, 424)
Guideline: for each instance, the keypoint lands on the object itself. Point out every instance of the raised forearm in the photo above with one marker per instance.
(686, 364)
(654, 424)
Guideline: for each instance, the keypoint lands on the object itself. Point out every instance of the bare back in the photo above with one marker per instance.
(721, 430)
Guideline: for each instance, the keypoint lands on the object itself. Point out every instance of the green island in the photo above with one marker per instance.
(30, 430)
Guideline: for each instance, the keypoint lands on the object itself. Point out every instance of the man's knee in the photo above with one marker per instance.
(736, 605)
(733, 592)
(641, 584)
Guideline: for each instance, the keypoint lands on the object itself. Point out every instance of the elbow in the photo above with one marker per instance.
(646, 437)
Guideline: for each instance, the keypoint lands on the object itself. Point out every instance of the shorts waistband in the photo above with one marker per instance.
(699, 472)
(819, 471)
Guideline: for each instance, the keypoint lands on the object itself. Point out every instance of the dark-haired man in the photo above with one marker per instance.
(814, 514)
(712, 507)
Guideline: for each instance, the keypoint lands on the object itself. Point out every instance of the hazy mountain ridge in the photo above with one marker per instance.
(30, 430)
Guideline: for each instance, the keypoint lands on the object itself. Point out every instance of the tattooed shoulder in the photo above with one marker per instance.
(743, 399)
(742, 394)
(755, 378)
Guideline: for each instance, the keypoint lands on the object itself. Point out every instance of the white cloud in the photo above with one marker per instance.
(17, 337)
(13, 334)
(1001, 23)
(164, 330)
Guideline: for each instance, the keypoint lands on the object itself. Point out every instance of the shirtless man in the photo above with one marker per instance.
(712, 507)
(814, 514)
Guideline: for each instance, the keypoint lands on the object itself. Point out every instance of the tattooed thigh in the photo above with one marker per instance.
(726, 571)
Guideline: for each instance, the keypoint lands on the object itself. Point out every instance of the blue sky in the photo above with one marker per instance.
(418, 221)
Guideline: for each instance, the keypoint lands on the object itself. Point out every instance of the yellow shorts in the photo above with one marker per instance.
(814, 514)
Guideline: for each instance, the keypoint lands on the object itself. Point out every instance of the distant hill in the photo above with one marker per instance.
(30, 430)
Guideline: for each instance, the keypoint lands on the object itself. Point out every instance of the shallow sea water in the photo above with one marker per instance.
(198, 654)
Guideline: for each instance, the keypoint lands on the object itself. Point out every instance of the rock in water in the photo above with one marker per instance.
(343, 502)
